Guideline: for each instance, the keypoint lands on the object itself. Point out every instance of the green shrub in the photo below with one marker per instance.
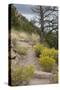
(22, 75)
(16, 76)
(21, 50)
(54, 78)
(47, 63)
(38, 49)
(52, 39)
(45, 52)
(28, 73)
(52, 53)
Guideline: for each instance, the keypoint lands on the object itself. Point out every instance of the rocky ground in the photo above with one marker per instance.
(30, 58)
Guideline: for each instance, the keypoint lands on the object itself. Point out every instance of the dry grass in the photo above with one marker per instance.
(24, 36)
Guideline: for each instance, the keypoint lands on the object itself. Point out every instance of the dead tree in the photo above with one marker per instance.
(48, 19)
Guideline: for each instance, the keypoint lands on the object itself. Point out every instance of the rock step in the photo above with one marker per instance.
(36, 81)
(42, 75)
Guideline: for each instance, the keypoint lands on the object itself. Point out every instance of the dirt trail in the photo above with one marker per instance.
(31, 59)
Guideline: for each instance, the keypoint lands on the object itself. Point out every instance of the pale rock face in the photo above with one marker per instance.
(13, 54)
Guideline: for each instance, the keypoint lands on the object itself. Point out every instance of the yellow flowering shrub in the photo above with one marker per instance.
(47, 63)
(38, 49)
(52, 53)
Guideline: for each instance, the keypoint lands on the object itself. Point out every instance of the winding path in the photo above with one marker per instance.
(40, 77)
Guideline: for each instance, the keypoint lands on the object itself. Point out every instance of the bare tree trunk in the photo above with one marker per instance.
(42, 37)
(42, 25)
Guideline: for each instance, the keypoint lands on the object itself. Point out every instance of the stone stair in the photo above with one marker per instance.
(41, 77)
(41, 74)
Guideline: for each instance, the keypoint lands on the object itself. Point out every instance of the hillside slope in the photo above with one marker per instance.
(19, 22)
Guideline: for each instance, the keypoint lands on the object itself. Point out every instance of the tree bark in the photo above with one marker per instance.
(42, 25)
